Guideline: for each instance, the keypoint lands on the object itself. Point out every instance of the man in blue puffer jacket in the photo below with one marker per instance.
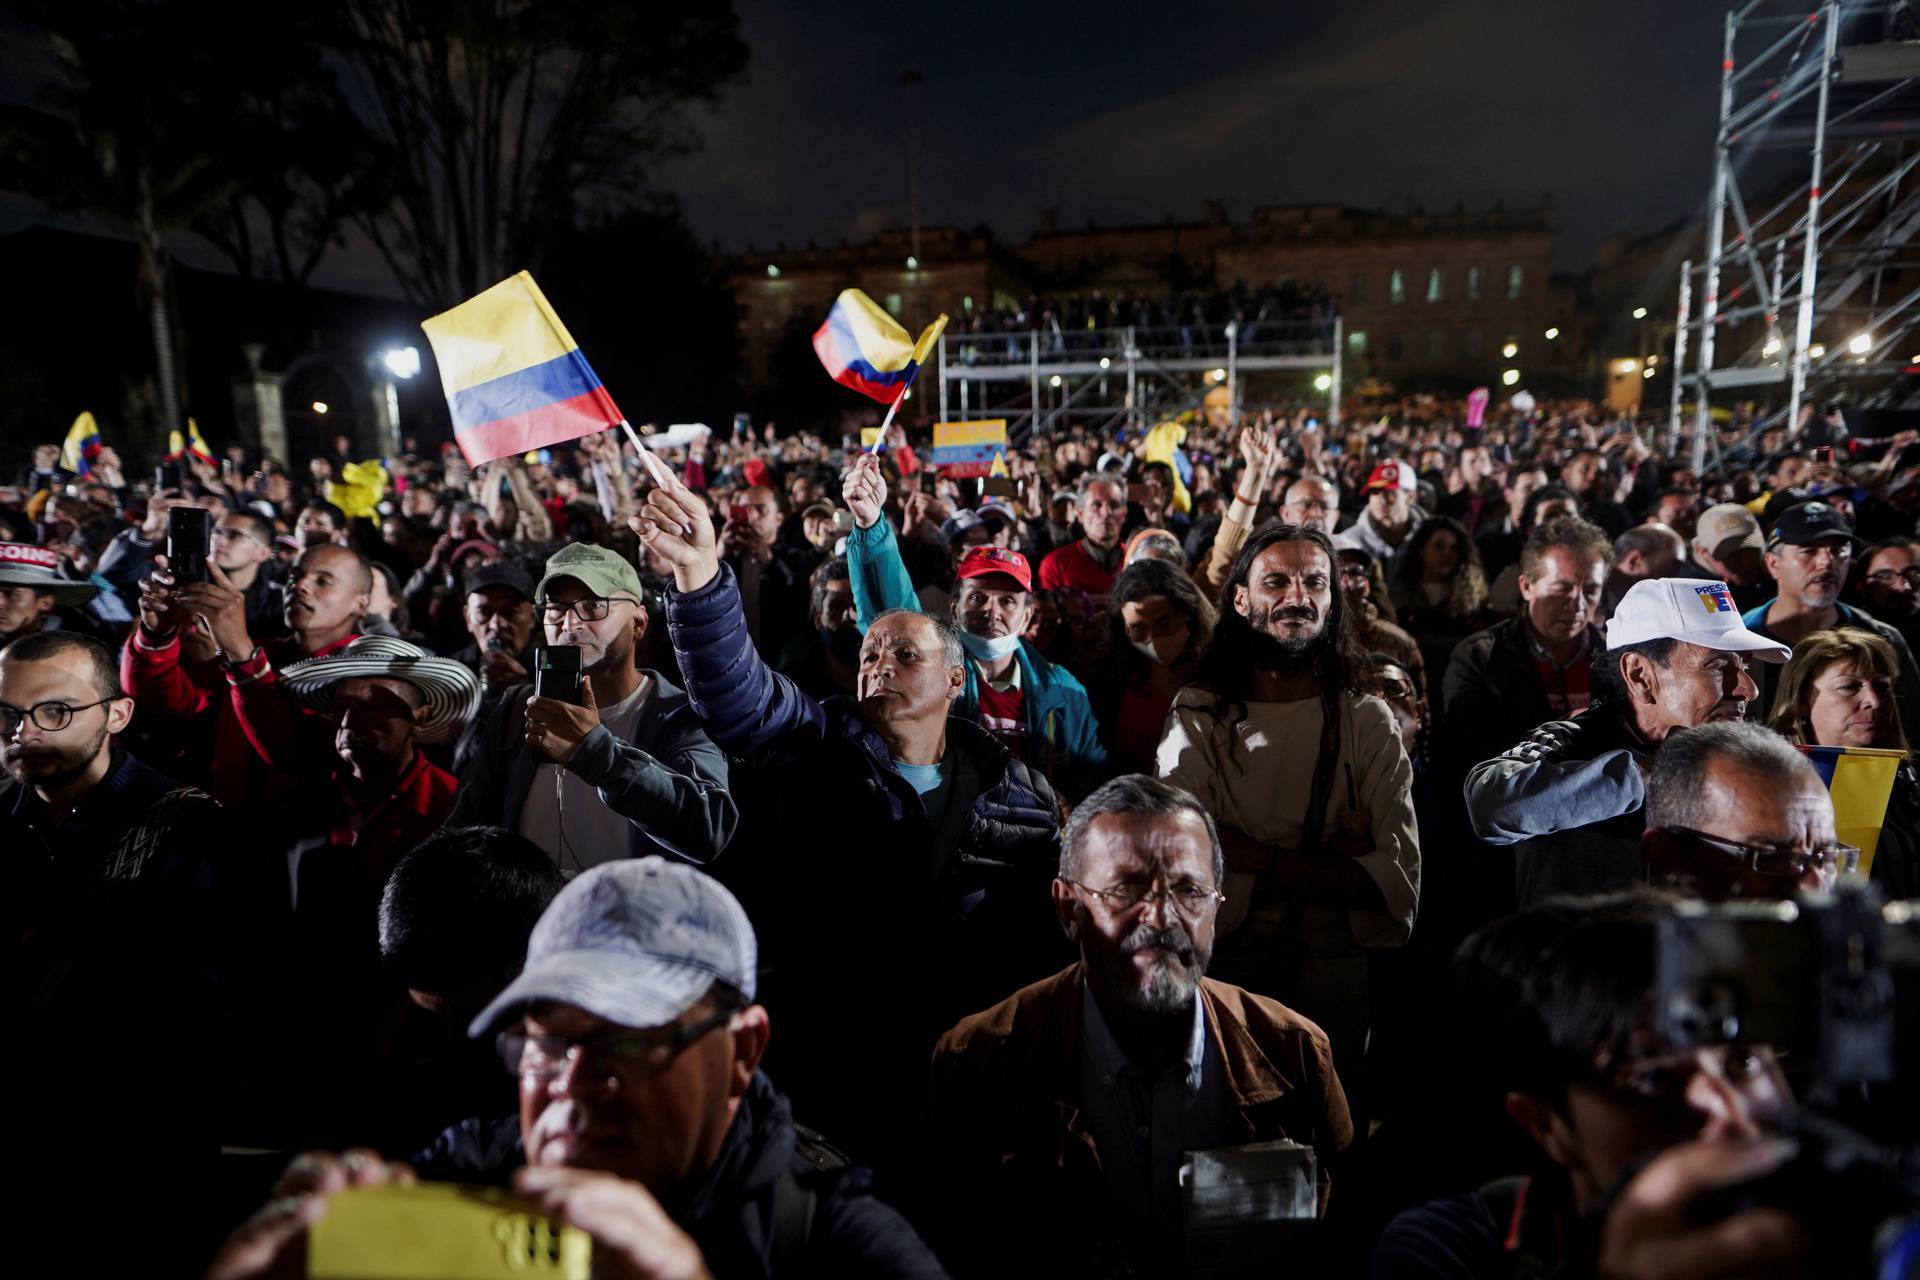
(1038, 710)
(881, 836)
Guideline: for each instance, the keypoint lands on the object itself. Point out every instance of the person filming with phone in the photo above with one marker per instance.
(597, 759)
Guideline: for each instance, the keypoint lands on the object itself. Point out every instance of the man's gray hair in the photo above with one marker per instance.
(956, 653)
(1135, 793)
(1676, 789)
(1117, 479)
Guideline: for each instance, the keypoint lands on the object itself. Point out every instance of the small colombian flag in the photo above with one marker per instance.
(514, 377)
(1859, 780)
(82, 447)
(193, 442)
(865, 348)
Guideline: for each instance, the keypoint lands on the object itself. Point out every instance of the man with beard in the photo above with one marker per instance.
(108, 920)
(1570, 797)
(1311, 785)
(1808, 554)
(1039, 711)
(1075, 1099)
(627, 772)
(1092, 562)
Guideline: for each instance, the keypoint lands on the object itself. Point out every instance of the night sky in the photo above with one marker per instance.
(1125, 113)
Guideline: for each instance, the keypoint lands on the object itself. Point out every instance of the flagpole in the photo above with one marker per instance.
(888, 420)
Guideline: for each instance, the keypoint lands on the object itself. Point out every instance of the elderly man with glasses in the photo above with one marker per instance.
(1075, 1099)
(629, 771)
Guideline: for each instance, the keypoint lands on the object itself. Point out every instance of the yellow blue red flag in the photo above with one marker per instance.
(193, 442)
(514, 377)
(82, 447)
(1859, 779)
(1163, 445)
(864, 348)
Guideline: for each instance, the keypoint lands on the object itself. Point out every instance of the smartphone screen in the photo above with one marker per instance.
(556, 673)
(189, 539)
(166, 476)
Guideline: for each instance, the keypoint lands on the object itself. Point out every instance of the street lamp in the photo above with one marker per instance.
(1552, 334)
(1639, 313)
(320, 407)
(913, 263)
(1054, 381)
(1510, 350)
(402, 362)
(1323, 383)
(1861, 344)
(773, 272)
(1510, 378)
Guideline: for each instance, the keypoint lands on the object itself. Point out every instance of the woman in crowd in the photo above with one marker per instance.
(1158, 622)
(1439, 590)
(1838, 692)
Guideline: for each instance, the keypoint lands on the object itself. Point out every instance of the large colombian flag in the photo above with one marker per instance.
(515, 379)
(865, 348)
(1859, 779)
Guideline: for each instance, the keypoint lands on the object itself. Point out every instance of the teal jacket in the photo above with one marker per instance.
(1063, 740)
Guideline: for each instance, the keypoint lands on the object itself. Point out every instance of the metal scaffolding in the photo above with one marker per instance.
(1108, 378)
(1835, 251)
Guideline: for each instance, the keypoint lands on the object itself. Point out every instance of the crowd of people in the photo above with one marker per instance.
(1314, 796)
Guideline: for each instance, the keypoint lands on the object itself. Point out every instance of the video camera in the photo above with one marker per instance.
(1830, 983)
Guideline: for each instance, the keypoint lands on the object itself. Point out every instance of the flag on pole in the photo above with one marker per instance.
(514, 377)
(193, 442)
(864, 348)
(1859, 779)
(1163, 445)
(82, 447)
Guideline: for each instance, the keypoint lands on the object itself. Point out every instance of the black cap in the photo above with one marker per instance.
(502, 573)
(1806, 523)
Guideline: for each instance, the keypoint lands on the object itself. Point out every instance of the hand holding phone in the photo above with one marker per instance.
(556, 673)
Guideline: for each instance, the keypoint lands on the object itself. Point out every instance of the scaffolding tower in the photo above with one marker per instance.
(1818, 295)
(1042, 381)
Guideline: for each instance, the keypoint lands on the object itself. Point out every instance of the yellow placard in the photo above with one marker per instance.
(954, 435)
(869, 436)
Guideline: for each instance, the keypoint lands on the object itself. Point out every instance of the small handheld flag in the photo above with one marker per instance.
(1860, 781)
(514, 377)
(83, 445)
(193, 442)
(864, 348)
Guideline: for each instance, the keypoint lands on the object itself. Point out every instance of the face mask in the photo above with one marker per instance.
(989, 649)
(843, 644)
(1162, 650)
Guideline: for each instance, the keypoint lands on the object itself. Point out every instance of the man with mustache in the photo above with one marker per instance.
(1310, 783)
(1570, 797)
(1074, 1099)
(1808, 554)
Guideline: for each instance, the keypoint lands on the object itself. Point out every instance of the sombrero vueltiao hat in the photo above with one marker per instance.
(452, 692)
(24, 565)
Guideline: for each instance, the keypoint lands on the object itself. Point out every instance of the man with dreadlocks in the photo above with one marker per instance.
(1311, 786)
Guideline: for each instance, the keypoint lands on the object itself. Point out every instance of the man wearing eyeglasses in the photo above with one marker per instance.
(243, 548)
(1734, 811)
(1075, 1098)
(644, 1118)
(1888, 583)
(630, 770)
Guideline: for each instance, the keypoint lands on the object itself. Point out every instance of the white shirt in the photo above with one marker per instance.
(592, 833)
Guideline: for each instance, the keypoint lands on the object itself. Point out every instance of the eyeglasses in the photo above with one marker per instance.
(49, 717)
(1186, 897)
(1889, 577)
(591, 609)
(1843, 858)
(632, 1055)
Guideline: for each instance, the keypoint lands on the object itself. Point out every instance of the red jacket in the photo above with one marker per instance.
(260, 735)
(406, 815)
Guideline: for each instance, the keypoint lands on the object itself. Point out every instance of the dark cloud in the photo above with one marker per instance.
(1129, 113)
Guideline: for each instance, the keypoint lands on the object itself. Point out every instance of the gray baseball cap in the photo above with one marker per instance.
(637, 942)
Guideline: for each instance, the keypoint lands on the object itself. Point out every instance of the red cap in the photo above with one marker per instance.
(1393, 475)
(981, 561)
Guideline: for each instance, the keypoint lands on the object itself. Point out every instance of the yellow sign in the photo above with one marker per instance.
(954, 435)
(869, 436)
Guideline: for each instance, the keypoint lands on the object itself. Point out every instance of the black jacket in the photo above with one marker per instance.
(776, 1203)
(1491, 695)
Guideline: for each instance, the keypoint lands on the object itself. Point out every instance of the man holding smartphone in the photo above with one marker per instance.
(625, 771)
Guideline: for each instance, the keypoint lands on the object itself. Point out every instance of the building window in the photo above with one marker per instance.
(1436, 346)
(893, 304)
(1436, 285)
(1476, 278)
(1397, 286)
(1357, 290)
(1470, 343)
(1394, 348)
(1516, 282)
(966, 304)
(1357, 341)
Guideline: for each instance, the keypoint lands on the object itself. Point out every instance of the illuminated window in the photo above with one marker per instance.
(1397, 286)
(893, 304)
(1357, 341)
(1476, 279)
(1516, 282)
(1436, 285)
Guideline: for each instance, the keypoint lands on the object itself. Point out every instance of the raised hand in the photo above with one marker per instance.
(676, 526)
(865, 490)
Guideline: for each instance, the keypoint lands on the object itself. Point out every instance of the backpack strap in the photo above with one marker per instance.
(797, 1203)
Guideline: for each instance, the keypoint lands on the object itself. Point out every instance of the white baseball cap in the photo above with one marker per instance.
(1693, 610)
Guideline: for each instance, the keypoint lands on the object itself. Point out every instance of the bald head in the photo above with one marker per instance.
(1312, 501)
